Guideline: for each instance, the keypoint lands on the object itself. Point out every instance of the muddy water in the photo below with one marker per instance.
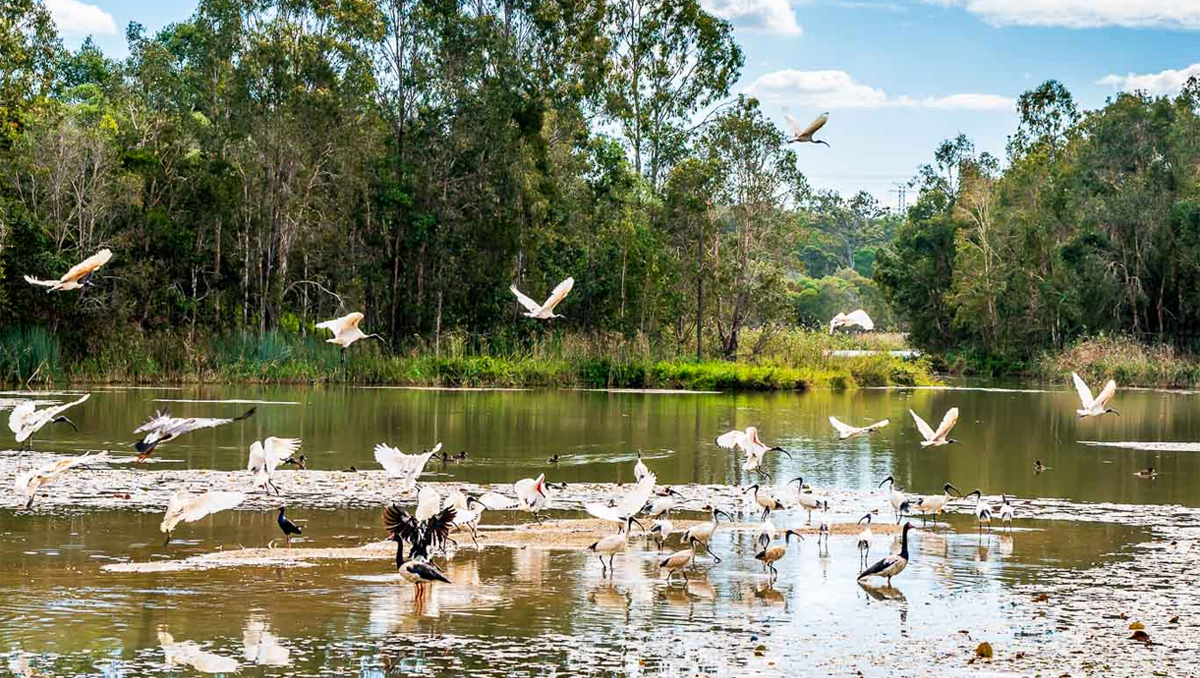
(547, 611)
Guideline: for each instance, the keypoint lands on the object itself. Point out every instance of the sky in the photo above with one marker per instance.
(896, 76)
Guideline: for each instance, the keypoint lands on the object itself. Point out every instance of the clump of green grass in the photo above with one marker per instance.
(29, 354)
(1124, 359)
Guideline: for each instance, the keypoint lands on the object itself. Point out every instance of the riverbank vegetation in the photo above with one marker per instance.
(790, 361)
(260, 167)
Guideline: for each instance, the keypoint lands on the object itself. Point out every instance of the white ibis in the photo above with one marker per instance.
(934, 438)
(429, 502)
(30, 482)
(1094, 407)
(766, 533)
(847, 431)
(750, 444)
(640, 469)
(892, 564)
(679, 561)
(531, 497)
(25, 419)
(346, 331)
(78, 276)
(1006, 512)
(864, 541)
(702, 533)
(613, 544)
(983, 511)
(895, 497)
(765, 499)
(266, 456)
(661, 530)
(406, 467)
(628, 506)
(544, 311)
(163, 427)
(663, 503)
(188, 508)
(804, 135)
(936, 503)
(770, 555)
(808, 502)
(467, 512)
(859, 318)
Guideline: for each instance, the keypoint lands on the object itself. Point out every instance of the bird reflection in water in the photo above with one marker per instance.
(260, 646)
(771, 596)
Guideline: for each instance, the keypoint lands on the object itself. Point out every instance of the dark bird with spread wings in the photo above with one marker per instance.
(420, 535)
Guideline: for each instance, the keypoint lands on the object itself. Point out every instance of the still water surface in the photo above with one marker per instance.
(548, 612)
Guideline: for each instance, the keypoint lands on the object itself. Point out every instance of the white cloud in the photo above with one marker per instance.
(1169, 81)
(823, 89)
(75, 18)
(836, 89)
(970, 101)
(764, 16)
(1178, 14)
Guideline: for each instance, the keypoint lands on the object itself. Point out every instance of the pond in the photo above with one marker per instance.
(542, 610)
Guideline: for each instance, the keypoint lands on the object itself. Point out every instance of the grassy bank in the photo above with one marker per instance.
(1128, 361)
(786, 361)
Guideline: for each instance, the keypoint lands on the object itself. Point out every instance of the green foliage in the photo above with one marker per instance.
(29, 354)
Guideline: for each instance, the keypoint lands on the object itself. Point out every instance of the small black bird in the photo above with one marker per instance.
(553, 460)
(296, 461)
(351, 469)
(460, 456)
(289, 528)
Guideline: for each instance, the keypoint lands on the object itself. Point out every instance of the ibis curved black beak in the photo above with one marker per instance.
(888, 479)
(676, 494)
(797, 480)
(866, 518)
(791, 533)
(64, 420)
(780, 449)
(956, 490)
(635, 521)
(1114, 412)
(727, 516)
(752, 487)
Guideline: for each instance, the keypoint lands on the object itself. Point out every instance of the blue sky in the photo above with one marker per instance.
(897, 76)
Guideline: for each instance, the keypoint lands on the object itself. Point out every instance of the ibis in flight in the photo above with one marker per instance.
(163, 427)
(266, 456)
(804, 135)
(748, 442)
(934, 438)
(188, 508)
(847, 431)
(79, 275)
(406, 467)
(30, 482)
(1094, 407)
(859, 318)
(545, 310)
(25, 419)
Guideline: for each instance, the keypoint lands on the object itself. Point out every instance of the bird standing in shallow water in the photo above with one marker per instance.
(612, 545)
(769, 555)
(702, 533)
(401, 527)
(893, 564)
(864, 541)
(679, 561)
(289, 528)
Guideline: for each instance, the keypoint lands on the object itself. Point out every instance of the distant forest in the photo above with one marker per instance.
(267, 165)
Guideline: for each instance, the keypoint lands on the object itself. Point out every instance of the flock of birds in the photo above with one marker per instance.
(429, 527)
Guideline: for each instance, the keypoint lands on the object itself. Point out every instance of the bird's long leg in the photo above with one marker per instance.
(774, 572)
(474, 537)
(168, 540)
(603, 567)
(610, 563)
(716, 558)
(684, 573)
